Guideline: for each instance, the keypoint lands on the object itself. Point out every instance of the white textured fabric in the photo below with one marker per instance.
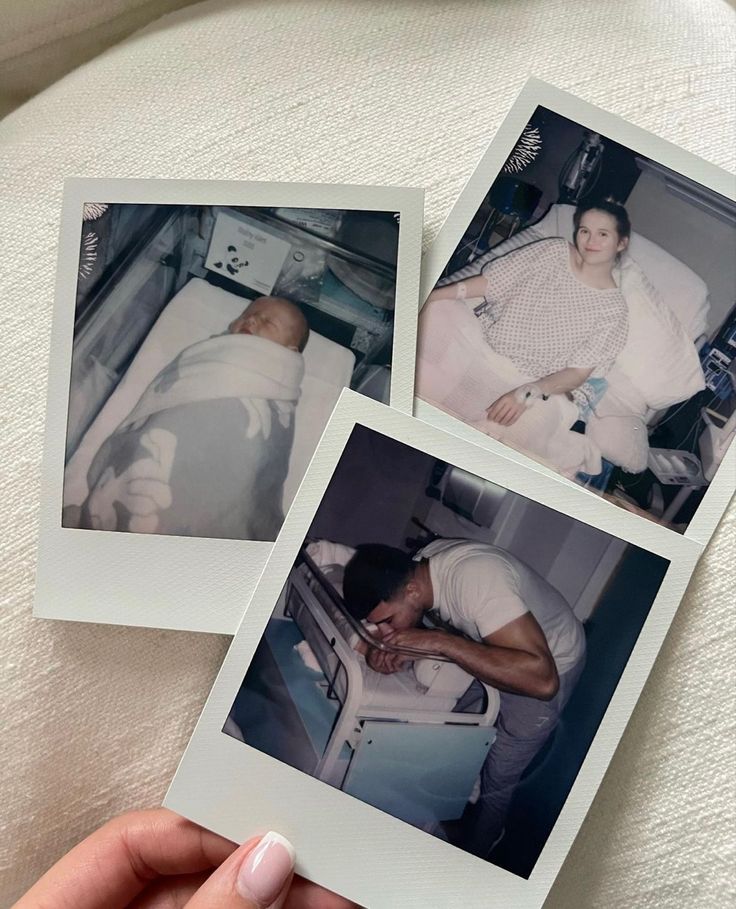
(44, 39)
(620, 438)
(95, 718)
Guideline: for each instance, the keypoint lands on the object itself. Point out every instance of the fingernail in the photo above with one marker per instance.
(266, 869)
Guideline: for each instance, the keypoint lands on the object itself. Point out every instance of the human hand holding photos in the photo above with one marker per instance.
(158, 860)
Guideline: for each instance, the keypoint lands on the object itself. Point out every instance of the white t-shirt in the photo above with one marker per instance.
(479, 588)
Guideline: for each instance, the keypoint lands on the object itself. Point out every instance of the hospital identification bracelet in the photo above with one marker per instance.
(527, 394)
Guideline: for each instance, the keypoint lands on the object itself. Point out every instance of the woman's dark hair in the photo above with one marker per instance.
(375, 573)
(610, 207)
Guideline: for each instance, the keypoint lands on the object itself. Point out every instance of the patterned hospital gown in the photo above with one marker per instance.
(544, 319)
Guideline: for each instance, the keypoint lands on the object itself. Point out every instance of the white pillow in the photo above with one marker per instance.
(684, 292)
(659, 358)
(622, 397)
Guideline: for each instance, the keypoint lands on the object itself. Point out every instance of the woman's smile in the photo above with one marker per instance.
(597, 237)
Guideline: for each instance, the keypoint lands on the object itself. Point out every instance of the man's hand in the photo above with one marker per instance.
(386, 663)
(418, 639)
(415, 638)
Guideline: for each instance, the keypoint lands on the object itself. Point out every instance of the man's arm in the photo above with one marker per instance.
(515, 658)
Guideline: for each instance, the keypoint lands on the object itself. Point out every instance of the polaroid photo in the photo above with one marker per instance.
(579, 309)
(203, 332)
(392, 700)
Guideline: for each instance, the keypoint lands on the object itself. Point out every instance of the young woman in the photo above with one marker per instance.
(553, 307)
(553, 318)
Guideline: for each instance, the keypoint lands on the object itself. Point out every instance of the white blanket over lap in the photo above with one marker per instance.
(459, 373)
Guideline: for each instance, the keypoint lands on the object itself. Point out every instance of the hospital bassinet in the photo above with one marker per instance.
(196, 312)
(392, 741)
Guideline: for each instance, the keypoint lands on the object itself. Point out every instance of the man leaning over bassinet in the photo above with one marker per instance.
(518, 634)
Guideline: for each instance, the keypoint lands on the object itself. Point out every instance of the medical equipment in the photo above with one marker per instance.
(719, 359)
(684, 468)
(714, 440)
(510, 203)
(675, 467)
(396, 741)
(582, 169)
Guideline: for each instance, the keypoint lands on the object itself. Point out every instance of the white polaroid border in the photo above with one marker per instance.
(536, 93)
(342, 843)
(188, 583)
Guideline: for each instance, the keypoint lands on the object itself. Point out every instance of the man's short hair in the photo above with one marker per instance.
(375, 573)
(304, 337)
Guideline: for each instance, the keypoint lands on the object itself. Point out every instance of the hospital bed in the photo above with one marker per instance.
(659, 365)
(398, 742)
(198, 311)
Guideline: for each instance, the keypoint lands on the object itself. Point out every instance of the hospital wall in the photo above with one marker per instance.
(374, 492)
(379, 485)
(576, 559)
(704, 242)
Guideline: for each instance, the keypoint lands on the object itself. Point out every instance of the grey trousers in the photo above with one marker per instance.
(524, 724)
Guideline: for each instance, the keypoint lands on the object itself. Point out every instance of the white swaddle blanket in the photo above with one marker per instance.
(205, 450)
(436, 678)
(225, 366)
(459, 373)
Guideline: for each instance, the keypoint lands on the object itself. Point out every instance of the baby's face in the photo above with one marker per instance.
(271, 318)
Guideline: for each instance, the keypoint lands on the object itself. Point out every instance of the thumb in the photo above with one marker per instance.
(256, 876)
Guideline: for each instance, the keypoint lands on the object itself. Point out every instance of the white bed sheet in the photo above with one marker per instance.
(196, 312)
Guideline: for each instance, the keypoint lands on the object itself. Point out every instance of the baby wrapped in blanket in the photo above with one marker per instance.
(205, 452)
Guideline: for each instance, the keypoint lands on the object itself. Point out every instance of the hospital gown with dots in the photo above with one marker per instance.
(544, 319)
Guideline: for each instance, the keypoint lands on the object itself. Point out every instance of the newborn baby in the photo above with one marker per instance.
(275, 319)
(205, 451)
